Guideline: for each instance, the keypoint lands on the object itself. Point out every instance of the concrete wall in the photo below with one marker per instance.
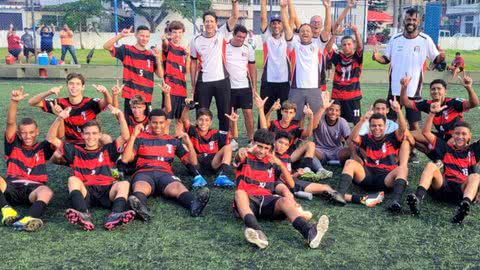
(460, 43)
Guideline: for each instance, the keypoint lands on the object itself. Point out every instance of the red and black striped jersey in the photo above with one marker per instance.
(286, 160)
(256, 176)
(27, 162)
(458, 163)
(346, 81)
(174, 62)
(131, 122)
(211, 143)
(294, 129)
(93, 167)
(158, 152)
(381, 154)
(138, 71)
(80, 114)
(445, 120)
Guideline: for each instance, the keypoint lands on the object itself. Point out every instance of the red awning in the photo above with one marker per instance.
(375, 16)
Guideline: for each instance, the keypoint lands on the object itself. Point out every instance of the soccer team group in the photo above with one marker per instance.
(270, 172)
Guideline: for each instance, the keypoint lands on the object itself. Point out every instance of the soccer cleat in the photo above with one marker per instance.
(199, 181)
(141, 210)
(116, 219)
(371, 200)
(334, 197)
(256, 237)
(234, 145)
(83, 219)
(200, 201)
(461, 212)
(223, 181)
(307, 215)
(324, 173)
(28, 224)
(395, 207)
(308, 175)
(9, 215)
(317, 231)
(413, 158)
(414, 203)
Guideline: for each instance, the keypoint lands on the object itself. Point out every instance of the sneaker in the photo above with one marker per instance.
(308, 175)
(461, 212)
(234, 145)
(223, 181)
(414, 203)
(116, 219)
(117, 175)
(395, 207)
(317, 231)
(199, 181)
(256, 237)
(141, 210)
(324, 173)
(200, 201)
(9, 215)
(28, 224)
(439, 164)
(307, 215)
(83, 219)
(371, 200)
(334, 197)
(413, 158)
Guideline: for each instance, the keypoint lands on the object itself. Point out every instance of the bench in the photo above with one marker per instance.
(19, 71)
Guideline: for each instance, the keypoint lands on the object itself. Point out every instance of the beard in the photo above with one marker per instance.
(410, 28)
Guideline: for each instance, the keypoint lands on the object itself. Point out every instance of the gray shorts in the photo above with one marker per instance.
(329, 154)
(302, 96)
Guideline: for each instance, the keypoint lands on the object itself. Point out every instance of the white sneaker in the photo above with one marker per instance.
(324, 173)
(307, 215)
(371, 200)
(234, 145)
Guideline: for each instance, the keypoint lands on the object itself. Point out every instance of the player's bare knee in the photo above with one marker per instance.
(473, 178)
(74, 182)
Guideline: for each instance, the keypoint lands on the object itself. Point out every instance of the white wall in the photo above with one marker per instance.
(460, 43)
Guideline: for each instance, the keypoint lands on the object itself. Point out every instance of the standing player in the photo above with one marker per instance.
(207, 70)
(381, 171)
(212, 146)
(176, 62)
(84, 109)
(139, 65)
(407, 53)
(92, 182)
(155, 151)
(308, 59)
(460, 181)
(242, 72)
(254, 195)
(26, 170)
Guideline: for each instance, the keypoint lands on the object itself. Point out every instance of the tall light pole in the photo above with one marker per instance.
(194, 21)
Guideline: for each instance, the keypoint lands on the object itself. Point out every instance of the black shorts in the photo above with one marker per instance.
(241, 98)
(15, 52)
(300, 185)
(262, 207)
(128, 111)
(18, 193)
(205, 163)
(98, 196)
(47, 48)
(411, 115)
(351, 110)
(157, 180)
(178, 103)
(374, 180)
(27, 51)
(274, 91)
(449, 192)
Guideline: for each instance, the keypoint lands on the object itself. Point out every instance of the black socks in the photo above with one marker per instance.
(119, 205)
(78, 202)
(251, 221)
(37, 209)
(345, 182)
(302, 226)
(185, 199)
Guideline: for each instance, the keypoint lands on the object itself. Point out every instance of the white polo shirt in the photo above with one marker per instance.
(307, 63)
(275, 58)
(408, 56)
(209, 52)
(236, 63)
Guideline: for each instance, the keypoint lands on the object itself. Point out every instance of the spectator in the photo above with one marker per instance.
(14, 46)
(46, 39)
(27, 41)
(457, 66)
(66, 39)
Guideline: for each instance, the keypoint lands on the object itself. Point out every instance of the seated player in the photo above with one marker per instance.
(305, 151)
(83, 110)
(330, 133)
(26, 170)
(444, 120)
(282, 142)
(212, 146)
(92, 183)
(459, 181)
(155, 151)
(457, 66)
(256, 173)
(381, 171)
(380, 106)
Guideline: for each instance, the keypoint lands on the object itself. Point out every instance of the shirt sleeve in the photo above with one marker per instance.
(334, 57)
(10, 143)
(459, 104)
(439, 146)
(193, 49)
(363, 141)
(119, 52)
(95, 105)
(223, 138)
(345, 129)
(181, 151)
(68, 151)
(432, 51)
(47, 105)
(251, 55)
(48, 149)
(421, 105)
(114, 151)
(266, 35)
(359, 56)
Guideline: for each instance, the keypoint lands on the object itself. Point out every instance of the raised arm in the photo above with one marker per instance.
(326, 102)
(308, 115)
(53, 131)
(343, 15)
(36, 101)
(327, 24)
(124, 132)
(376, 56)
(128, 154)
(354, 136)
(185, 117)
(263, 16)
(234, 122)
(286, 25)
(116, 90)
(260, 104)
(107, 99)
(292, 12)
(404, 100)
(158, 59)
(337, 31)
(285, 174)
(358, 38)
(402, 122)
(435, 107)
(467, 82)
(165, 41)
(275, 107)
(110, 44)
(235, 15)
(168, 100)
(15, 97)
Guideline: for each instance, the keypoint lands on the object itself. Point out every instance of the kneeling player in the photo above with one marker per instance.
(155, 151)
(381, 171)
(26, 170)
(212, 147)
(458, 184)
(254, 195)
(92, 182)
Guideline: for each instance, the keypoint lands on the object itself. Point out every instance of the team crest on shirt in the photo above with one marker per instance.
(169, 148)
(270, 172)
(93, 172)
(384, 148)
(37, 157)
(263, 184)
(160, 159)
(211, 145)
(289, 167)
(416, 49)
(148, 63)
(84, 115)
(445, 114)
(100, 157)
